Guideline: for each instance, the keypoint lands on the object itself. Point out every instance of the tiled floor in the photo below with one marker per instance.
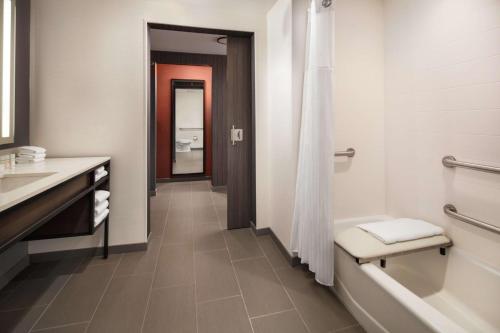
(195, 277)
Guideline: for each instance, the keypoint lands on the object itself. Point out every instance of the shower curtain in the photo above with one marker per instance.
(312, 232)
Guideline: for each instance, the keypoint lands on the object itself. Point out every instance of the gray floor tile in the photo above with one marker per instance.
(284, 322)
(180, 214)
(113, 259)
(171, 310)
(262, 291)
(208, 237)
(33, 292)
(205, 215)
(214, 276)
(177, 232)
(318, 306)
(352, 329)
(19, 321)
(164, 188)
(202, 199)
(223, 316)
(140, 262)
(123, 306)
(39, 284)
(272, 252)
(78, 299)
(158, 221)
(160, 203)
(242, 244)
(75, 328)
(175, 266)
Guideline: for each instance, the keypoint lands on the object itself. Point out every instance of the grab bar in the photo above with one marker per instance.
(349, 152)
(451, 210)
(451, 162)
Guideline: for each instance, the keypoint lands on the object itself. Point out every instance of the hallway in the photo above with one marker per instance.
(194, 277)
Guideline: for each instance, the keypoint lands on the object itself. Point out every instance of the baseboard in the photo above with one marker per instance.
(87, 252)
(179, 179)
(219, 188)
(292, 260)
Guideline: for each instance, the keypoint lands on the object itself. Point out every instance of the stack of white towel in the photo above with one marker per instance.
(99, 173)
(101, 210)
(31, 154)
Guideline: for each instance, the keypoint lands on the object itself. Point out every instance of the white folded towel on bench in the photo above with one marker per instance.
(101, 196)
(401, 230)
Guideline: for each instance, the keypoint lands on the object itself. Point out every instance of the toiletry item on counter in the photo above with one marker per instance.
(101, 196)
(100, 173)
(31, 154)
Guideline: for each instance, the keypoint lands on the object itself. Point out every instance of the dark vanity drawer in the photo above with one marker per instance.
(22, 219)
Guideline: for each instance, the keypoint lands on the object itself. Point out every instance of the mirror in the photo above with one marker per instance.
(7, 15)
(188, 108)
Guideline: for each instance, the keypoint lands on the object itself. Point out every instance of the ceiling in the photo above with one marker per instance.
(189, 42)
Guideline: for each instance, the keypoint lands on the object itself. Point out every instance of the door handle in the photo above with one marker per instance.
(236, 135)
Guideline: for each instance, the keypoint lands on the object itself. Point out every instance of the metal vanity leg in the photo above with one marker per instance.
(106, 235)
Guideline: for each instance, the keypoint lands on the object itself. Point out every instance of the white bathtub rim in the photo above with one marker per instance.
(361, 315)
(431, 317)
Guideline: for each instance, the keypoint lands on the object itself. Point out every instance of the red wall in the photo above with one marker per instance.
(165, 74)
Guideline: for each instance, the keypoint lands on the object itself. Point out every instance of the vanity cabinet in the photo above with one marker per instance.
(66, 210)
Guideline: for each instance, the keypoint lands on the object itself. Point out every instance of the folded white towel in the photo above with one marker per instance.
(101, 207)
(98, 176)
(101, 196)
(99, 169)
(401, 230)
(98, 219)
(25, 161)
(32, 149)
(31, 155)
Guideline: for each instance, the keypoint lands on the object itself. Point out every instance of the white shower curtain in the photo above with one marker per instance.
(312, 232)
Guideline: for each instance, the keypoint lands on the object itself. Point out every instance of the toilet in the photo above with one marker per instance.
(183, 145)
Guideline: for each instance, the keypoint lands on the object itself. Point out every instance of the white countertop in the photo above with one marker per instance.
(62, 169)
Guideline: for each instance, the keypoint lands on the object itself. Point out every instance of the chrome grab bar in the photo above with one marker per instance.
(190, 128)
(451, 162)
(349, 152)
(451, 210)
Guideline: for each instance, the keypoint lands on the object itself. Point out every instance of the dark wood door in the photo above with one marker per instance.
(239, 110)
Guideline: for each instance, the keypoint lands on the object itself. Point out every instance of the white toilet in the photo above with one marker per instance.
(183, 145)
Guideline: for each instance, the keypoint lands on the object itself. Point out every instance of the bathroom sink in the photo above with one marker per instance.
(14, 181)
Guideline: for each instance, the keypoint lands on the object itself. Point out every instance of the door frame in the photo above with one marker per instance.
(152, 113)
(186, 84)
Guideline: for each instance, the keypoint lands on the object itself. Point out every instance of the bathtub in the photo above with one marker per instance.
(419, 292)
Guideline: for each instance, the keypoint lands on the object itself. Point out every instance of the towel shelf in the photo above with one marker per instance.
(349, 152)
(451, 210)
(451, 162)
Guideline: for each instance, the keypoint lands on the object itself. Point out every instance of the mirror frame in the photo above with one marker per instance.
(12, 74)
(186, 84)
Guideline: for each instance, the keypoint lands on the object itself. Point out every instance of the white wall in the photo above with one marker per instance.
(359, 108)
(442, 97)
(89, 91)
